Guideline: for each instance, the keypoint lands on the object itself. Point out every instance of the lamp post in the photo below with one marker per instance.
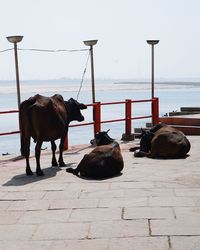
(152, 43)
(91, 43)
(15, 40)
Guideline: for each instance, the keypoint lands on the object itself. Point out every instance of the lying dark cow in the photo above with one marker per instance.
(46, 119)
(163, 141)
(103, 162)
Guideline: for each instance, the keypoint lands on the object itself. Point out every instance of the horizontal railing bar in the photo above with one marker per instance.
(117, 120)
(145, 100)
(81, 124)
(141, 117)
(9, 111)
(10, 133)
(110, 103)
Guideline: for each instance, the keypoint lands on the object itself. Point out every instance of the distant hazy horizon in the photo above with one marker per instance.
(110, 80)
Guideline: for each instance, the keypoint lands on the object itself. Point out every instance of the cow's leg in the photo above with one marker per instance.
(61, 148)
(27, 154)
(140, 153)
(38, 146)
(81, 166)
(53, 148)
(133, 149)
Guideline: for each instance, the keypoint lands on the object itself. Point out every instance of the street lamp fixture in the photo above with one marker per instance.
(91, 43)
(15, 40)
(152, 43)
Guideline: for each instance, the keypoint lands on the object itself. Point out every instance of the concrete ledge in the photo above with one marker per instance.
(188, 124)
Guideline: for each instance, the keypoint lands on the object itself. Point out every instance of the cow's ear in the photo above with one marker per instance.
(82, 106)
(71, 100)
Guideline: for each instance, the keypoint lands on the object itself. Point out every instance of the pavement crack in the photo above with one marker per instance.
(169, 243)
(122, 214)
(149, 226)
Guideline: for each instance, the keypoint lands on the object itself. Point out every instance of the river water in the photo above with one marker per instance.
(172, 96)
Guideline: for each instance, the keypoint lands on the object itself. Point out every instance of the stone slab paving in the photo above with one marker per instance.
(153, 205)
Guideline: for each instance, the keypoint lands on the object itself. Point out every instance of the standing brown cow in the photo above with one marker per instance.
(46, 119)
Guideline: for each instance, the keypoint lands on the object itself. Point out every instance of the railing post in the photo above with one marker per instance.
(66, 143)
(155, 110)
(97, 117)
(128, 113)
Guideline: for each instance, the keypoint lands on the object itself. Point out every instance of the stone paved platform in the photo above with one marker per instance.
(153, 205)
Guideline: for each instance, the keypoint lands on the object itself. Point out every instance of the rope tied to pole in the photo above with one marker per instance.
(5, 50)
(53, 50)
(57, 51)
(83, 75)
(46, 50)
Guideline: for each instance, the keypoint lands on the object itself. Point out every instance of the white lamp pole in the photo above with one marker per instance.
(152, 43)
(91, 43)
(15, 40)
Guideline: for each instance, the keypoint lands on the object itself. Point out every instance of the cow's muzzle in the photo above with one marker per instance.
(81, 118)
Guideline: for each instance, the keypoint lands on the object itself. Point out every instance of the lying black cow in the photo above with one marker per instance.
(163, 141)
(103, 162)
(46, 119)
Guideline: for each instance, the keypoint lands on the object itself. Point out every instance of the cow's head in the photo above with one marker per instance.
(102, 138)
(74, 109)
(157, 127)
(145, 142)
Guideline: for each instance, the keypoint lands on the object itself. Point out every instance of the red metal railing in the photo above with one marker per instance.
(128, 115)
(9, 112)
(97, 121)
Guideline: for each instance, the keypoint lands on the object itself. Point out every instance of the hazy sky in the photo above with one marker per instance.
(121, 27)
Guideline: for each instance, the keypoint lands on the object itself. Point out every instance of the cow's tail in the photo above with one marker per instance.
(23, 124)
(22, 130)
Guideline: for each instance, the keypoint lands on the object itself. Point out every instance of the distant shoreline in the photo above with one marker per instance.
(166, 82)
(187, 81)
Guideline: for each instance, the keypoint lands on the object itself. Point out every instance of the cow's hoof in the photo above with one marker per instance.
(140, 154)
(29, 172)
(72, 170)
(133, 149)
(62, 164)
(40, 173)
(54, 164)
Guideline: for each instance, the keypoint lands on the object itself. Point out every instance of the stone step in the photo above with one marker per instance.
(180, 121)
(190, 109)
(188, 125)
(185, 111)
(176, 113)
